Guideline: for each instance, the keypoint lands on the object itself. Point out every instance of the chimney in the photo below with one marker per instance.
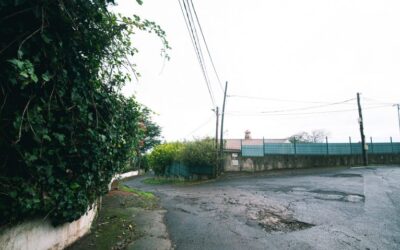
(247, 135)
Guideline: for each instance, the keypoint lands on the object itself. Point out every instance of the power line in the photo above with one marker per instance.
(275, 99)
(307, 108)
(310, 107)
(305, 113)
(377, 101)
(196, 45)
(201, 126)
(205, 42)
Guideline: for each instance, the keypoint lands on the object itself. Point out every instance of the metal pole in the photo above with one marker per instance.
(351, 148)
(391, 144)
(263, 147)
(398, 113)
(372, 145)
(241, 144)
(360, 120)
(327, 145)
(294, 145)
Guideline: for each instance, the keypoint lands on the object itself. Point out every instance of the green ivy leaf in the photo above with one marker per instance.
(46, 76)
(74, 186)
(34, 77)
(46, 138)
(17, 63)
(13, 194)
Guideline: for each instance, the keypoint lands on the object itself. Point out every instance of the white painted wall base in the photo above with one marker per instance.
(41, 235)
(123, 176)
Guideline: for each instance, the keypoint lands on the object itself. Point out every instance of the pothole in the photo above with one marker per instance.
(274, 222)
(337, 196)
(354, 198)
(347, 175)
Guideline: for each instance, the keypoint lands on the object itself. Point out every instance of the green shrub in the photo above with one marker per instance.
(164, 155)
(199, 154)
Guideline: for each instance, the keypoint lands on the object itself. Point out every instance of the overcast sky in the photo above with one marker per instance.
(301, 53)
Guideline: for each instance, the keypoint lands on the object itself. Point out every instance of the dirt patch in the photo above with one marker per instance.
(119, 193)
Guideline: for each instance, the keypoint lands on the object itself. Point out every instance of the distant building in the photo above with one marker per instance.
(234, 145)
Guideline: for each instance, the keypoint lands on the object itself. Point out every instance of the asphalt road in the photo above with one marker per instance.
(336, 208)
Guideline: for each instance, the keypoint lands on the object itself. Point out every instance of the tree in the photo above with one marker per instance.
(150, 136)
(314, 136)
(65, 129)
(318, 135)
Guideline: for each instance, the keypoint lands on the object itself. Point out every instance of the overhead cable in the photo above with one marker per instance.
(208, 50)
(309, 107)
(196, 45)
(200, 126)
(276, 99)
(305, 113)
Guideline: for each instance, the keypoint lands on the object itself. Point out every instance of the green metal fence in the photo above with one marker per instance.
(317, 149)
(181, 170)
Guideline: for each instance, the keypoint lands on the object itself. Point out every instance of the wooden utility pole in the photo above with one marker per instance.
(216, 129)
(221, 142)
(360, 121)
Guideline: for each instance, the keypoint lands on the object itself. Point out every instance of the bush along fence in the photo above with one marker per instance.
(326, 148)
(184, 159)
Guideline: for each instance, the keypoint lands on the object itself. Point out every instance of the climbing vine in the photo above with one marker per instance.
(65, 129)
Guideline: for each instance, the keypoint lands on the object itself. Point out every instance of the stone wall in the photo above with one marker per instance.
(235, 162)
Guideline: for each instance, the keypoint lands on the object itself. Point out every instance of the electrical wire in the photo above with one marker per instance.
(310, 107)
(275, 99)
(208, 50)
(196, 45)
(305, 113)
(306, 108)
(200, 127)
(377, 101)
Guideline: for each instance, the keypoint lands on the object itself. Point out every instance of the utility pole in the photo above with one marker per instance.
(398, 112)
(221, 142)
(360, 121)
(216, 129)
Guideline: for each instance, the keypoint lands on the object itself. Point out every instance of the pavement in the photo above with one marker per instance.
(329, 208)
(153, 229)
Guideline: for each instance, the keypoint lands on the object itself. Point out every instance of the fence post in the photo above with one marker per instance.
(391, 144)
(294, 145)
(351, 148)
(327, 145)
(372, 145)
(263, 147)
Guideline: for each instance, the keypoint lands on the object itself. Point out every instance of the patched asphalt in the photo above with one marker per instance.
(330, 208)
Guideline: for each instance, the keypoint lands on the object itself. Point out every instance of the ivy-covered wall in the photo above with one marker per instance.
(65, 129)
